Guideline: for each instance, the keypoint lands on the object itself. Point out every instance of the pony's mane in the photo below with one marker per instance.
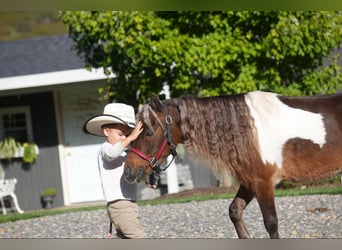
(147, 114)
(218, 131)
(144, 115)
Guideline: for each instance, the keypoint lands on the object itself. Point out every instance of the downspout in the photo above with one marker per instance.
(61, 149)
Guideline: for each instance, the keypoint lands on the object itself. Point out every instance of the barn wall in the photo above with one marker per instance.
(45, 171)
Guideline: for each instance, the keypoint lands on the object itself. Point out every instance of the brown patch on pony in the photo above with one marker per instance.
(305, 160)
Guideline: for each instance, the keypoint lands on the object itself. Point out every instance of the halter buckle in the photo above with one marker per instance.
(168, 120)
(153, 163)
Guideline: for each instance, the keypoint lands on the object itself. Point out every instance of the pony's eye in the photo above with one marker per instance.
(149, 133)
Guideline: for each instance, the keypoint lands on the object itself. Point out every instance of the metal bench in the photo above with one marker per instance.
(7, 187)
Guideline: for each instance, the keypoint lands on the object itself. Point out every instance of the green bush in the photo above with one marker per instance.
(48, 192)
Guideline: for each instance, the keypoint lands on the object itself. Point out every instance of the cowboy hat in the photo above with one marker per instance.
(113, 113)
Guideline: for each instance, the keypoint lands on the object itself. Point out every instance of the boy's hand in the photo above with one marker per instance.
(133, 135)
(136, 131)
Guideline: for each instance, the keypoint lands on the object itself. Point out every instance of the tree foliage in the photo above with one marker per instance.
(210, 53)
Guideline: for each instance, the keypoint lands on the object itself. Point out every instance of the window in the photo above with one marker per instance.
(16, 122)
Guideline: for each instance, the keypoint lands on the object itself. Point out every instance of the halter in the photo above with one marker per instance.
(154, 161)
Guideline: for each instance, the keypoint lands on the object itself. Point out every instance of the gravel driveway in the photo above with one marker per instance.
(313, 216)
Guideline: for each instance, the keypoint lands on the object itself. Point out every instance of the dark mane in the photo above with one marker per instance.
(218, 130)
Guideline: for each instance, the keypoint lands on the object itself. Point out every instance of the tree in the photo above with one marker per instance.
(210, 53)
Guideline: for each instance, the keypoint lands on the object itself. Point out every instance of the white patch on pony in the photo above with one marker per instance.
(277, 122)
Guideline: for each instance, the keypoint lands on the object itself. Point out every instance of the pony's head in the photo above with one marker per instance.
(158, 140)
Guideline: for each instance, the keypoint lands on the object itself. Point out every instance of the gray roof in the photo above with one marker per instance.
(38, 55)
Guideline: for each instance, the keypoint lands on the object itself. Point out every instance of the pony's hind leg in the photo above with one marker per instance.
(240, 202)
(265, 197)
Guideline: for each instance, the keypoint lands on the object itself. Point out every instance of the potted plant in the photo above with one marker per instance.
(30, 152)
(47, 196)
(10, 148)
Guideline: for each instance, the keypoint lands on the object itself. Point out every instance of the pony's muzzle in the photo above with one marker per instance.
(134, 176)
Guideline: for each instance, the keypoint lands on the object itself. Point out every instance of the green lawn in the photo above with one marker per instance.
(331, 190)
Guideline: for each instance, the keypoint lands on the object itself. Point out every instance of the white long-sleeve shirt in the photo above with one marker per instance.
(111, 160)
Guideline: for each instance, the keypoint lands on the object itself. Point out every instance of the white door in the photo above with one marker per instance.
(77, 105)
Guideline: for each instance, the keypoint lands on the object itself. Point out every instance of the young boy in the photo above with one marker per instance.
(117, 125)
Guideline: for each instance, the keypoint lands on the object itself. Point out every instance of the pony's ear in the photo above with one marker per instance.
(155, 103)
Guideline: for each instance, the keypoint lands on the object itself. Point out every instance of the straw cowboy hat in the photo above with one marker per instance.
(113, 113)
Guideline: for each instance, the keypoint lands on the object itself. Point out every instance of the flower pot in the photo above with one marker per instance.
(47, 201)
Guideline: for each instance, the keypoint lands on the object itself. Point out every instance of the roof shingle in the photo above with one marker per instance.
(38, 55)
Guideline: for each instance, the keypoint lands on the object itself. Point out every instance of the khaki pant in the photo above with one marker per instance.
(124, 215)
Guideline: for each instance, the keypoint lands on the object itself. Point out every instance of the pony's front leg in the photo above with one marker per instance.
(265, 196)
(240, 202)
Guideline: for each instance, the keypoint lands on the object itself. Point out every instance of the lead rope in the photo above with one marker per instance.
(110, 235)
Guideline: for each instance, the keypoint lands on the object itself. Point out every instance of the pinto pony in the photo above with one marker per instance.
(260, 138)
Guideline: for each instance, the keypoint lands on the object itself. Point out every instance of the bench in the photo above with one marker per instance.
(7, 187)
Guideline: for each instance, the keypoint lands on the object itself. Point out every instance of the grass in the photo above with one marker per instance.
(11, 217)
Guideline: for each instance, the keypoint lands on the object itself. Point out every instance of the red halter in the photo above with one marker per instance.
(153, 161)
